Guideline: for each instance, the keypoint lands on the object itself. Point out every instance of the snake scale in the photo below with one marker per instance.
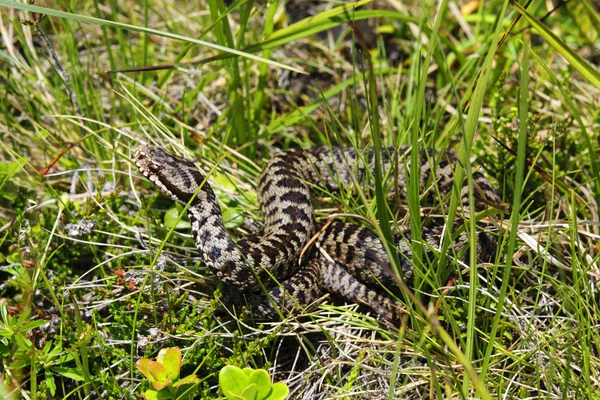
(357, 263)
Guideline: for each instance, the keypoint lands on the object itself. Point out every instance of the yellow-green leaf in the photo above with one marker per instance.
(171, 360)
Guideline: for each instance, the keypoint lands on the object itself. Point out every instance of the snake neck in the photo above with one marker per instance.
(219, 251)
(288, 215)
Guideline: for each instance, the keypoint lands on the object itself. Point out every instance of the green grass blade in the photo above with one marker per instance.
(129, 27)
(516, 205)
(583, 67)
(313, 25)
(593, 14)
(280, 123)
(586, 135)
(470, 127)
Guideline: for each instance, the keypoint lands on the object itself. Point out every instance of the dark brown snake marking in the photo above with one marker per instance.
(358, 261)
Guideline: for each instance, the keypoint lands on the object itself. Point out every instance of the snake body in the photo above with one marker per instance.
(357, 260)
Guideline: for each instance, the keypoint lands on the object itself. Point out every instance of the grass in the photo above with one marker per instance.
(99, 270)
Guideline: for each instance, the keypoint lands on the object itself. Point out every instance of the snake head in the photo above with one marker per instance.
(176, 177)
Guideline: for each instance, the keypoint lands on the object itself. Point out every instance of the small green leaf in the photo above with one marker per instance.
(9, 191)
(50, 383)
(232, 218)
(233, 381)
(224, 181)
(143, 365)
(171, 218)
(250, 384)
(261, 378)
(70, 373)
(171, 360)
(33, 324)
(150, 394)
(160, 385)
(14, 258)
(250, 392)
(4, 311)
(279, 391)
(22, 342)
(187, 380)
(48, 347)
(157, 370)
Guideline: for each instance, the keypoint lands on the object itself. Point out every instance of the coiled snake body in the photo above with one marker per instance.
(357, 261)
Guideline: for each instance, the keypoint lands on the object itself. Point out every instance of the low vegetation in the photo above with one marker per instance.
(99, 271)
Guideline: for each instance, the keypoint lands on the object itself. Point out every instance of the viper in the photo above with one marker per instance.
(265, 269)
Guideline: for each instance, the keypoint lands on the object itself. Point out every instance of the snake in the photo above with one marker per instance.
(265, 271)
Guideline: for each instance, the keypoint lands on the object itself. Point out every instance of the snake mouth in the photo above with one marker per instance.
(142, 152)
(141, 158)
(176, 177)
(146, 158)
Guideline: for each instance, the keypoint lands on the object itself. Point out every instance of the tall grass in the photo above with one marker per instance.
(99, 270)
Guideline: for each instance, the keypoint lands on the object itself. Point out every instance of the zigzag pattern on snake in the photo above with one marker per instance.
(358, 262)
